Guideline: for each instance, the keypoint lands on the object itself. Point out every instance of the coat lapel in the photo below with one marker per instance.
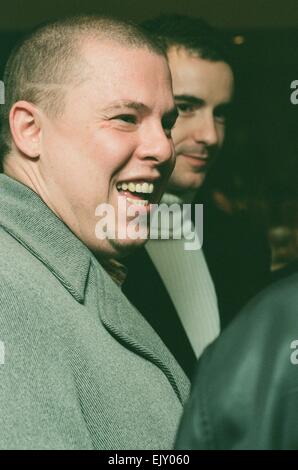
(129, 327)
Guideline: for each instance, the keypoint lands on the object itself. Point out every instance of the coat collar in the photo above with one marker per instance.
(29, 220)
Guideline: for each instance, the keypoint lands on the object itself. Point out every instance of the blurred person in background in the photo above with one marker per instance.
(187, 295)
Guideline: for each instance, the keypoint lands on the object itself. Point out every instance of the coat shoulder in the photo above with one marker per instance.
(246, 383)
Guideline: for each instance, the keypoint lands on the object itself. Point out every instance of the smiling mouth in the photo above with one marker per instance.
(197, 160)
(139, 194)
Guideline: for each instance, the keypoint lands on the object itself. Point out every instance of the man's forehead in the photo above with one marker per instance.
(113, 54)
(182, 59)
(118, 77)
(199, 77)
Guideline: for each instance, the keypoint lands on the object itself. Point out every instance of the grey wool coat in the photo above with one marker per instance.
(80, 368)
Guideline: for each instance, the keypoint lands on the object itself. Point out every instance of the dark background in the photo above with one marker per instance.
(228, 14)
(259, 165)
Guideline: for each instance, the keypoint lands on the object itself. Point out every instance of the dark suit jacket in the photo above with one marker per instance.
(238, 258)
(245, 393)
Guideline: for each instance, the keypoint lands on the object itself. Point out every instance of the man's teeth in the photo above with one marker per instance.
(145, 188)
(138, 202)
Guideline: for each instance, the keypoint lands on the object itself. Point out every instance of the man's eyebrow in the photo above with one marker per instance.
(189, 99)
(137, 106)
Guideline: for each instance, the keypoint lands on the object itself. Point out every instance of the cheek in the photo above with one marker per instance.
(179, 133)
(220, 134)
(180, 168)
(113, 148)
(101, 155)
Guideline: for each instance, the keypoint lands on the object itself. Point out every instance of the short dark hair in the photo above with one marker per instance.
(194, 34)
(50, 58)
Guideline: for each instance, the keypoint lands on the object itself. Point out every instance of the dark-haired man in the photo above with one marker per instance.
(173, 287)
(89, 111)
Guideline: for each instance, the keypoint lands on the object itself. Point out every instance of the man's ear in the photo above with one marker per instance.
(25, 128)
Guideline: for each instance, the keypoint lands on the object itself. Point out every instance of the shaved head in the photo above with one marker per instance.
(51, 58)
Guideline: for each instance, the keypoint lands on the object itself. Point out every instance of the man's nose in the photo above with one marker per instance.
(157, 146)
(206, 130)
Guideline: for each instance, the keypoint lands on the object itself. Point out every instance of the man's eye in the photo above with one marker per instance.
(222, 114)
(185, 108)
(220, 118)
(129, 118)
